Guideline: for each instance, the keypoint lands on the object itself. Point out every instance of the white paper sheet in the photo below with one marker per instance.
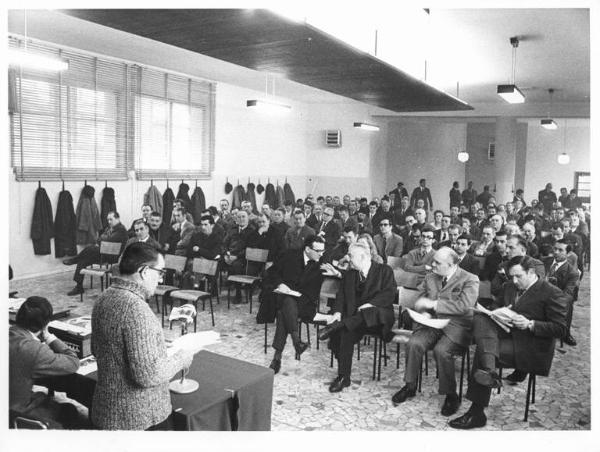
(194, 342)
(293, 293)
(425, 319)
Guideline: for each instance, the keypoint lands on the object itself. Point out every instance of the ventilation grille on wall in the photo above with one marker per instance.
(491, 151)
(333, 138)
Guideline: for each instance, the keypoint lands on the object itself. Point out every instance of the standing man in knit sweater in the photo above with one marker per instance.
(134, 369)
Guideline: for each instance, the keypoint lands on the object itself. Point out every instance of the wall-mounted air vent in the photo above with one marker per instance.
(333, 138)
(491, 151)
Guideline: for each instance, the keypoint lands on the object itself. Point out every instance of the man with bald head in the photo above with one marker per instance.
(448, 292)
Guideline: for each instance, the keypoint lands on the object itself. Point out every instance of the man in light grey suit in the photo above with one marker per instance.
(449, 292)
(388, 243)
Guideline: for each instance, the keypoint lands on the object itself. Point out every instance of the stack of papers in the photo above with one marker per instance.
(184, 313)
(502, 316)
(14, 304)
(291, 292)
(327, 318)
(81, 326)
(88, 365)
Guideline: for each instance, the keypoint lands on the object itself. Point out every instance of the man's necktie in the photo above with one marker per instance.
(553, 268)
(383, 249)
(444, 282)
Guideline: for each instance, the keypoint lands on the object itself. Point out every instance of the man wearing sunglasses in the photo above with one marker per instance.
(388, 243)
(292, 285)
(132, 392)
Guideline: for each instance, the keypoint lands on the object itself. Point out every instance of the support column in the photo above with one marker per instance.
(505, 159)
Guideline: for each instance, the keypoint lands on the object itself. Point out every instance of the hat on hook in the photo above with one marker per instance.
(250, 186)
(228, 187)
(259, 188)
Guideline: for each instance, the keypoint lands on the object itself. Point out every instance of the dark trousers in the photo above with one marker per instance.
(493, 344)
(444, 351)
(569, 316)
(355, 327)
(88, 256)
(165, 425)
(289, 309)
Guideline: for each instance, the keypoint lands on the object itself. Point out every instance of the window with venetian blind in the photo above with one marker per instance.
(101, 118)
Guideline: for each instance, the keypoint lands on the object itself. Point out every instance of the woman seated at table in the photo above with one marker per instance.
(35, 353)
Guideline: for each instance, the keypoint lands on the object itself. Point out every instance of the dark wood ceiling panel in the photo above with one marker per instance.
(263, 41)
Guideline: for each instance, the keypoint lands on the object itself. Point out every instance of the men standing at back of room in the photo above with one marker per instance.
(114, 232)
(455, 195)
(422, 192)
(547, 197)
(399, 192)
(469, 195)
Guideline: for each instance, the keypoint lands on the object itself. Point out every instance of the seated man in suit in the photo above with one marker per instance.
(450, 293)
(566, 277)
(159, 231)
(142, 234)
(146, 212)
(329, 229)
(296, 270)
(340, 252)
(297, 234)
(401, 212)
(388, 243)
(453, 231)
(277, 221)
(485, 246)
(184, 230)
(363, 305)
(465, 260)
(266, 237)
(114, 232)
(315, 219)
(419, 260)
(233, 251)
(35, 353)
(541, 310)
(364, 223)
(346, 219)
(205, 242)
(217, 228)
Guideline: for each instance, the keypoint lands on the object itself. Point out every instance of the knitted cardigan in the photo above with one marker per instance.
(134, 370)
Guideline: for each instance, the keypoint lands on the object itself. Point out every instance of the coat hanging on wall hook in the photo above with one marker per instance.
(167, 183)
(196, 183)
(85, 183)
(151, 182)
(63, 185)
(105, 183)
(39, 184)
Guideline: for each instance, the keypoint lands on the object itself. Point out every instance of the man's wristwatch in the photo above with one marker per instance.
(530, 325)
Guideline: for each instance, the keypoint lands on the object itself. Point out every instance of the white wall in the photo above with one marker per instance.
(543, 148)
(426, 149)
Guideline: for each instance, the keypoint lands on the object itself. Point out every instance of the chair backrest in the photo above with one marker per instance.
(257, 255)
(407, 297)
(110, 248)
(330, 287)
(407, 279)
(395, 262)
(205, 266)
(175, 262)
(21, 422)
(485, 289)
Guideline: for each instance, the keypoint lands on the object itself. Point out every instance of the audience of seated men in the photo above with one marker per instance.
(316, 217)
(184, 229)
(388, 243)
(295, 235)
(218, 227)
(465, 260)
(529, 345)
(419, 259)
(277, 221)
(345, 219)
(448, 292)
(384, 211)
(443, 234)
(266, 237)
(146, 212)
(486, 244)
(33, 353)
(160, 232)
(401, 212)
(453, 232)
(114, 232)
(295, 270)
(205, 242)
(363, 305)
(233, 251)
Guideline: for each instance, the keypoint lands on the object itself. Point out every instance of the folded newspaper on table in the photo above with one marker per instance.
(425, 319)
(87, 365)
(185, 313)
(194, 342)
(291, 292)
(502, 316)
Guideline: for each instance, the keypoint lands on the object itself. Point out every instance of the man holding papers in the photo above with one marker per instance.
(296, 280)
(540, 316)
(449, 292)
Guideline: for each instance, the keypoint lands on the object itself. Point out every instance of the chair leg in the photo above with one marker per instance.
(533, 388)
(212, 314)
(317, 325)
(385, 357)
(397, 356)
(500, 376)
(308, 333)
(266, 337)
(426, 364)
(530, 389)
(331, 359)
(462, 375)
(420, 378)
(374, 359)
(381, 351)
(228, 295)
(358, 351)
(250, 293)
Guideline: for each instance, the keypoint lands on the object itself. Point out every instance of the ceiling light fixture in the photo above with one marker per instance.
(24, 58)
(365, 126)
(463, 156)
(564, 159)
(548, 123)
(268, 105)
(511, 93)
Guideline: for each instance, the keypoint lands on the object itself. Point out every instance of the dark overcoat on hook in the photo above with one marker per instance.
(154, 199)
(107, 204)
(271, 196)
(65, 226)
(198, 204)
(42, 225)
(167, 198)
(88, 217)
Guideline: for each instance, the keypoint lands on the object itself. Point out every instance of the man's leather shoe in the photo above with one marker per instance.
(329, 330)
(339, 383)
(275, 365)
(489, 379)
(75, 291)
(516, 377)
(570, 340)
(300, 348)
(451, 405)
(468, 421)
(69, 261)
(404, 393)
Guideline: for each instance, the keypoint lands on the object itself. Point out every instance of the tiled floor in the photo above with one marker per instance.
(301, 400)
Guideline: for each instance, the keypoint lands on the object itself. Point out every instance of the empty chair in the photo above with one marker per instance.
(248, 280)
(103, 268)
(175, 264)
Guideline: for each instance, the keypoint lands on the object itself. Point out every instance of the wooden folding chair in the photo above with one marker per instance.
(177, 265)
(406, 279)
(256, 255)
(207, 268)
(102, 270)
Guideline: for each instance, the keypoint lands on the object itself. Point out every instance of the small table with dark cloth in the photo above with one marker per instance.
(233, 394)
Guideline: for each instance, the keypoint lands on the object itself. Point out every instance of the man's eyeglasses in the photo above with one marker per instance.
(321, 251)
(162, 271)
(384, 224)
(430, 237)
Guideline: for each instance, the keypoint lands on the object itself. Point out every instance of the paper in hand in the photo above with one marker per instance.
(194, 342)
(291, 292)
(425, 319)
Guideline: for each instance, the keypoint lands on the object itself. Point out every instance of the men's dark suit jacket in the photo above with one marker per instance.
(209, 246)
(379, 290)
(290, 270)
(566, 277)
(332, 233)
(546, 305)
(470, 264)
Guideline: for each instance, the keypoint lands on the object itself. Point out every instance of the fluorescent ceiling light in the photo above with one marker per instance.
(19, 57)
(511, 94)
(267, 105)
(365, 126)
(549, 124)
